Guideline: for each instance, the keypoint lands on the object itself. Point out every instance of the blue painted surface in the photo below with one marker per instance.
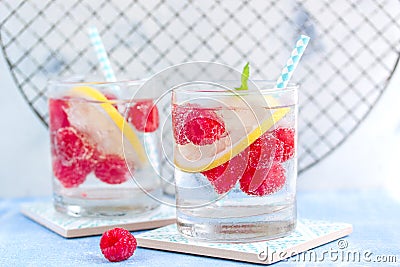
(374, 215)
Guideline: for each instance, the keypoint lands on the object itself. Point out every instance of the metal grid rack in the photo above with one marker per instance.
(353, 53)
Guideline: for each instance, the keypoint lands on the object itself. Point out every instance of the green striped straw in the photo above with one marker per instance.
(292, 62)
(101, 54)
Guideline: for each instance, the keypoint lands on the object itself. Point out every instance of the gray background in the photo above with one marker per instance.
(368, 159)
(342, 74)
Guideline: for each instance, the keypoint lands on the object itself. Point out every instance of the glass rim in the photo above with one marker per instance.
(92, 81)
(224, 89)
(58, 85)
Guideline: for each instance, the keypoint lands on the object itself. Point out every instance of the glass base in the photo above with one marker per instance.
(238, 229)
(79, 207)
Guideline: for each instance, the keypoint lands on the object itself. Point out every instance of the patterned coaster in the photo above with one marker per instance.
(309, 234)
(67, 226)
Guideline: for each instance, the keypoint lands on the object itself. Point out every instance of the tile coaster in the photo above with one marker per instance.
(67, 226)
(308, 234)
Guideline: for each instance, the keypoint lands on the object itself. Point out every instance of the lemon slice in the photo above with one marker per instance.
(93, 94)
(191, 158)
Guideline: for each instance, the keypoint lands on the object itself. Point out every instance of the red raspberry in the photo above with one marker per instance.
(117, 244)
(72, 157)
(286, 136)
(73, 175)
(272, 180)
(144, 116)
(259, 155)
(263, 174)
(264, 151)
(179, 114)
(204, 130)
(58, 116)
(71, 146)
(112, 98)
(112, 169)
(198, 125)
(224, 177)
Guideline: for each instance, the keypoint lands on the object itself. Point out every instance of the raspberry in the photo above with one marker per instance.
(263, 174)
(204, 131)
(58, 116)
(111, 169)
(258, 156)
(262, 153)
(73, 175)
(179, 114)
(286, 136)
(197, 125)
(112, 98)
(72, 157)
(71, 146)
(144, 116)
(224, 177)
(264, 150)
(117, 244)
(272, 180)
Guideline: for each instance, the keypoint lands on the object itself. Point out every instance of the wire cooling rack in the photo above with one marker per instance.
(352, 55)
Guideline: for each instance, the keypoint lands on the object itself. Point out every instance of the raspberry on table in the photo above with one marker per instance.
(144, 116)
(117, 244)
(111, 169)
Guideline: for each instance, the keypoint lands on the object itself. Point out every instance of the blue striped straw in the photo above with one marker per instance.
(101, 54)
(292, 62)
(151, 148)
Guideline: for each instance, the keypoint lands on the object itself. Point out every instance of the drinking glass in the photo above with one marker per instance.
(103, 164)
(235, 157)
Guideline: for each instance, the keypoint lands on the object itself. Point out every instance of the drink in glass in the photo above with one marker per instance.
(103, 164)
(235, 161)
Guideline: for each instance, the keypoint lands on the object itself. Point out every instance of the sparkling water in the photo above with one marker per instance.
(227, 209)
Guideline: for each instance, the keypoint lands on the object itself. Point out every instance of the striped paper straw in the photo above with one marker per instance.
(101, 54)
(150, 145)
(292, 62)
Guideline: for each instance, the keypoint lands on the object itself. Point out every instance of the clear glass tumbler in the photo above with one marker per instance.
(235, 160)
(103, 165)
